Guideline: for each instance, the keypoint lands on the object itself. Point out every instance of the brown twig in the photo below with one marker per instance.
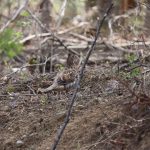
(80, 75)
(47, 30)
(6, 77)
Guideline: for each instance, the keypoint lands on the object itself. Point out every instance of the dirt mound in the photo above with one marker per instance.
(102, 116)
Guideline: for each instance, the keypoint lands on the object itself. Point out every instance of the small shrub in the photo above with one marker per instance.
(9, 43)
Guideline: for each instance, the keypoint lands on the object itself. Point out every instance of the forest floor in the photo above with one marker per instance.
(106, 115)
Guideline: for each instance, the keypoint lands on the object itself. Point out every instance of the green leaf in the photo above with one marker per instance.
(24, 14)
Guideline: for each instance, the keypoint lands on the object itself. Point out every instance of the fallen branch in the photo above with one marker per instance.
(125, 47)
(81, 37)
(30, 37)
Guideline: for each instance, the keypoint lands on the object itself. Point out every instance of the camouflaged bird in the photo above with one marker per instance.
(66, 78)
(63, 80)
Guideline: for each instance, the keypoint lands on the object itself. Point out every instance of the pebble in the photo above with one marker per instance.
(19, 143)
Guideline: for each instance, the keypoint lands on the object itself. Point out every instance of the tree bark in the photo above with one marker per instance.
(45, 8)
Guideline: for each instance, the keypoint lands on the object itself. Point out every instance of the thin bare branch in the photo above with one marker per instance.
(14, 16)
(47, 30)
(80, 75)
(61, 14)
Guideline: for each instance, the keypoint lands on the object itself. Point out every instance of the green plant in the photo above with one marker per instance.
(9, 43)
(25, 14)
(131, 58)
(135, 72)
